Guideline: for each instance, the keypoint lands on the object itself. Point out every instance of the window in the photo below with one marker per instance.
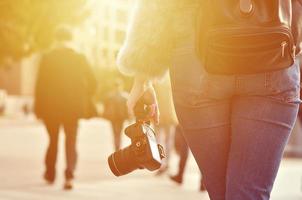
(120, 36)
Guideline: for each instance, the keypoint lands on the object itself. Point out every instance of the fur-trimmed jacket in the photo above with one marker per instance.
(157, 26)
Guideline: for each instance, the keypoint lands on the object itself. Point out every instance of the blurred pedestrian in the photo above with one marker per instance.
(3, 96)
(64, 89)
(116, 111)
(26, 109)
(182, 149)
(166, 127)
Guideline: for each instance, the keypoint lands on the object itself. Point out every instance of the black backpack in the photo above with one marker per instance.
(246, 36)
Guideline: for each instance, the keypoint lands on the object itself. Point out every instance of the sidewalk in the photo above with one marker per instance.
(22, 147)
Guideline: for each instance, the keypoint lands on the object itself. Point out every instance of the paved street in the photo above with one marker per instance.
(22, 147)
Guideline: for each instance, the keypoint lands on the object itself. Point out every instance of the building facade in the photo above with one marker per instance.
(99, 38)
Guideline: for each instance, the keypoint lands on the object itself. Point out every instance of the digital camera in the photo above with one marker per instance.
(143, 153)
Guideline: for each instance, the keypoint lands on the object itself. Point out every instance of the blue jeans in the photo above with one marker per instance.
(236, 126)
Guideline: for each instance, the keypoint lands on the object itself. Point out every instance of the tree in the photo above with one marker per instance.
(27, 26)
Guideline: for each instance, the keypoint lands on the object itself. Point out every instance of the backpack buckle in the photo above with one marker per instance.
(246, 6)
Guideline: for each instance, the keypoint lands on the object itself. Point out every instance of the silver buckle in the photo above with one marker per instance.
(246, 6)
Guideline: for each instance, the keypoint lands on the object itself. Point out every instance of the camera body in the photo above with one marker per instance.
(143, 152)
(145, 147)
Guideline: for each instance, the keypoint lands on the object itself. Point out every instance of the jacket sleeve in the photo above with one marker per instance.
(297, 24)
(148, 46)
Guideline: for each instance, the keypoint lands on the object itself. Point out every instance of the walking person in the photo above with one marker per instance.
(235, 83)
(182, 150)
(64, 88)
(166, 127)
(115, 110)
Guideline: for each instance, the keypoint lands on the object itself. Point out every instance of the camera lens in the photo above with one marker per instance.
(122, 162)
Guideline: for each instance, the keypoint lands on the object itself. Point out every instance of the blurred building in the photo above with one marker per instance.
(100, 38)
(17, 82)
(18, 78)
(113, 27)
(106, 30)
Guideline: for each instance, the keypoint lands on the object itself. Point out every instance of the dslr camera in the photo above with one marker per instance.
(143, 152)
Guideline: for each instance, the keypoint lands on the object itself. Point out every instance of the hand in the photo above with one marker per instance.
(144, 89)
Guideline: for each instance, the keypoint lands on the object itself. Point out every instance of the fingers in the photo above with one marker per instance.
(151, 100)
(155, 113)
(146, 93)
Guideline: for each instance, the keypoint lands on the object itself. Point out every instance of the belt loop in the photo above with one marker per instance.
(237, 82)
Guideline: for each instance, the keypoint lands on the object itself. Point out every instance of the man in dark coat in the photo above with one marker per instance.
(64, 87)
